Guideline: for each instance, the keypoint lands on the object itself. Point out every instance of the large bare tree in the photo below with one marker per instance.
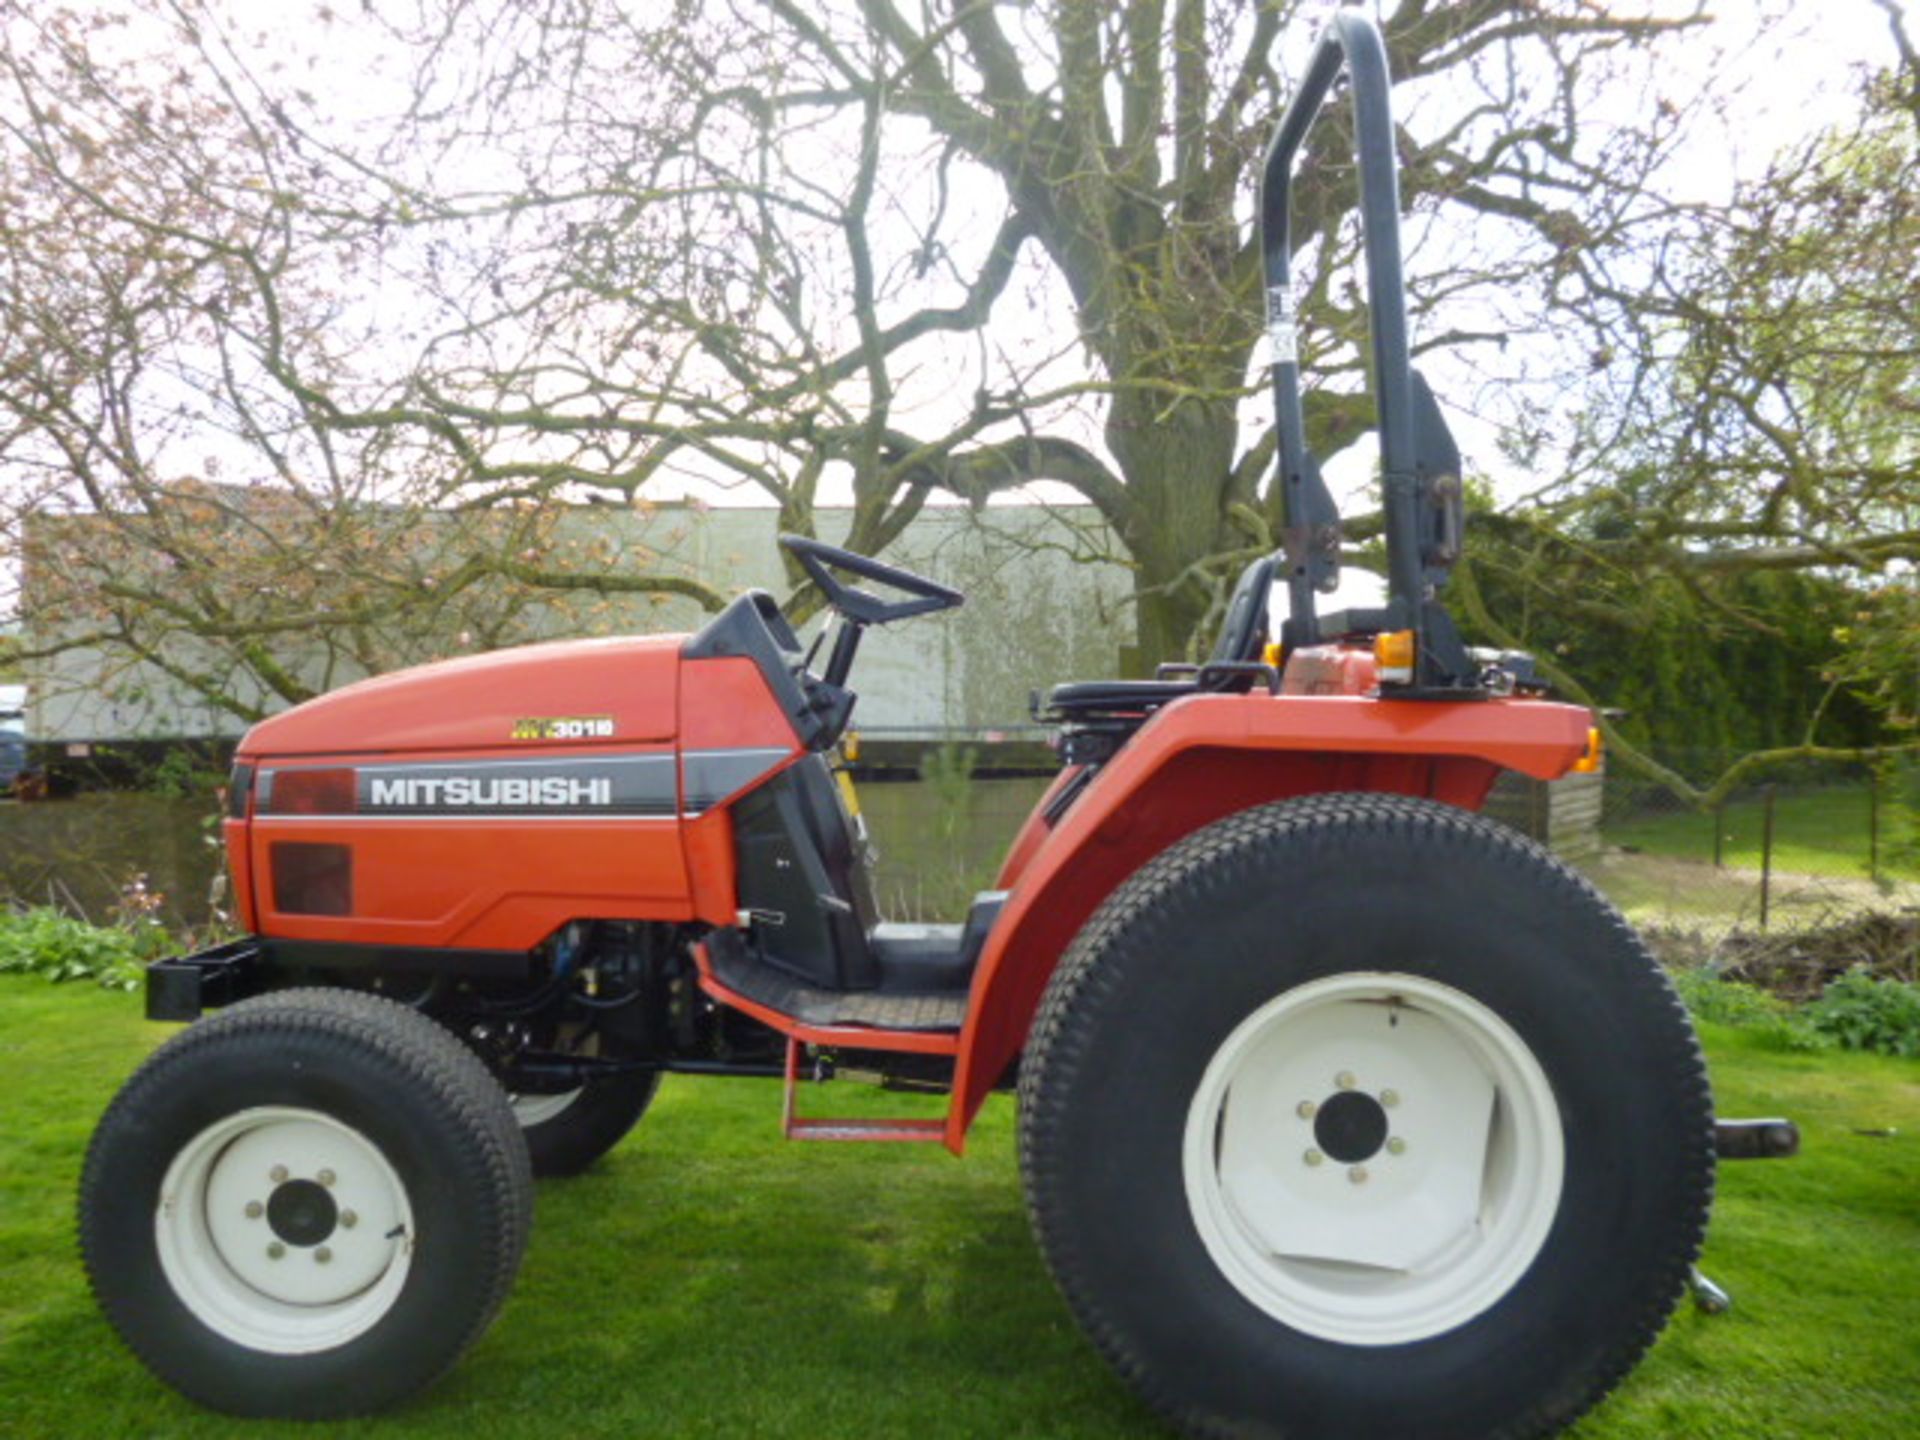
(507, 252)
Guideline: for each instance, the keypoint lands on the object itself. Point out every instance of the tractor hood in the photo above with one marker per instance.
(563, 692)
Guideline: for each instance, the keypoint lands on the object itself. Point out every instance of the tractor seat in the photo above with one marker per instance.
(1114, 697)
(1243, 638)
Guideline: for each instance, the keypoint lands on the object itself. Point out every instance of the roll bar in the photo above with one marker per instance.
(1420, 466)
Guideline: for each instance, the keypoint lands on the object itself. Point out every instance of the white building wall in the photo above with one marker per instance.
(1036, 614)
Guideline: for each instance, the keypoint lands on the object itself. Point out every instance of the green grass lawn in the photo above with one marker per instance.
(710, 1280)
(1815, 832)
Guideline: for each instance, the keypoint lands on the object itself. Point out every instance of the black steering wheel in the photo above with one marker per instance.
(860, 606)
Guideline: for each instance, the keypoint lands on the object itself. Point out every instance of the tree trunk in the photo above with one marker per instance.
(1176, 461)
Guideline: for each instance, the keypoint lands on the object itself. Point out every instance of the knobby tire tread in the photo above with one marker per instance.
(1219, 861)
(356, 1023)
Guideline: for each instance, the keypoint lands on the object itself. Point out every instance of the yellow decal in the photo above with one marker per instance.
(851, 795)
(564, 727)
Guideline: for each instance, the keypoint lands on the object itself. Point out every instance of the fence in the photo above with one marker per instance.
(1804, 846)
(1809, 846)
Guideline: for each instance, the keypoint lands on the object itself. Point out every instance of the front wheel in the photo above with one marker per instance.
(1360, 1115)
(307, 1206)
(567, 1132)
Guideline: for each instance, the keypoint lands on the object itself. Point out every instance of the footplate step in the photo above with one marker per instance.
(803, 1127)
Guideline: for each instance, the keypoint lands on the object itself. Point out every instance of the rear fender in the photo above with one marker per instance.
(1198, 761)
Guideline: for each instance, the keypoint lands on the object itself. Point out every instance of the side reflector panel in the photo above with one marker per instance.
(311, 879)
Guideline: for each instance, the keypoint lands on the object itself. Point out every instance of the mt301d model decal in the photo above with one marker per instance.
(564, 727)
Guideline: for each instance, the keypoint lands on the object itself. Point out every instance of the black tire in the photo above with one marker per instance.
(1213, 930)
(391, 1080)
(596, 1119)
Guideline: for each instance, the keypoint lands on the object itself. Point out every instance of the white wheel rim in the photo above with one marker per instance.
(284, 1230)
(1413, 1238)
(532, 1110)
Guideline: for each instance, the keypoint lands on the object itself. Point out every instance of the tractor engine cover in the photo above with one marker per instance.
(480, 803)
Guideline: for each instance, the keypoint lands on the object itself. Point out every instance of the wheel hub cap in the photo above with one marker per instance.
(1350, 1126)
(301, 1212)
(1445, 1146)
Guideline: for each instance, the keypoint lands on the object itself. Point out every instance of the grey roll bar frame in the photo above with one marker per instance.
(1420, 468)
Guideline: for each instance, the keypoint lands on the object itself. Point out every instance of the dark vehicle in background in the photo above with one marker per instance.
(13, 735)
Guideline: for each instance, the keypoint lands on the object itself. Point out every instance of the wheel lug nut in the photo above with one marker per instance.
(1396, 1146)
(1313, 1157)
(1344, 1080)
(276, 1250)
(348, 1219)
(278, 1174)
(326, 1177)
(255, 1209)
(323, 1255)
(1389, 1098)
(1306, 1109)
(1358, 1174)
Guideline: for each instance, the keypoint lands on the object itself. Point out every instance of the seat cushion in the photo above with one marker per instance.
(1126, 697)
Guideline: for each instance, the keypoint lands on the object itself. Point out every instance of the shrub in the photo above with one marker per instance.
(184, 774)
(42, 941)
(1711, 997)
(1862, 1013)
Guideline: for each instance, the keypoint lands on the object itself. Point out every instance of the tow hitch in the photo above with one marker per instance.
(1756, 1139)
(1742, 1140)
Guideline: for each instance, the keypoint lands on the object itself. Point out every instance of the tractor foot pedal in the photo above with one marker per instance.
(1709, 1297)
(803, 1127)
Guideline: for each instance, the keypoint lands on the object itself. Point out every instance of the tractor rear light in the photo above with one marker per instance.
(307, 792)
(1590, 758)
(311, 879)
(1393, 651)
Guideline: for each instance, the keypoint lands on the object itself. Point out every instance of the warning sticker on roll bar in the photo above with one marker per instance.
(1282, 334)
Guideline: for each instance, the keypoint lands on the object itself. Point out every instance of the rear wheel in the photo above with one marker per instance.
(1361, 1115)
(307, 1206)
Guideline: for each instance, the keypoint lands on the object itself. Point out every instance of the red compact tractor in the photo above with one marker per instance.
(1343, 1110)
